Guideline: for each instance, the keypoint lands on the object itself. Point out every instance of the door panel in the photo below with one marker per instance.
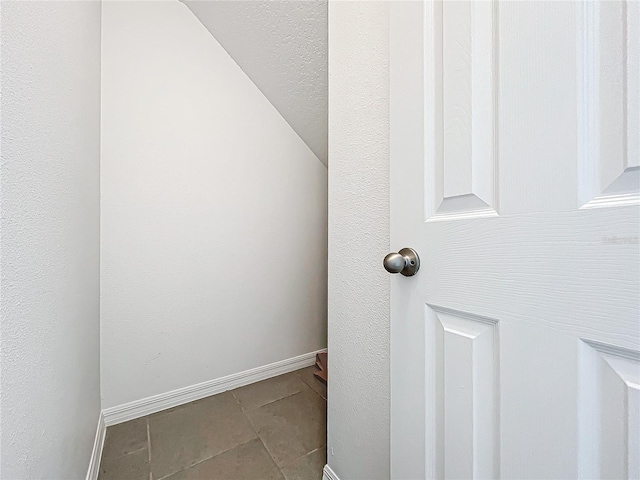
(608, 116)
(608, 412)
(463, 107)
(514, 174)
(463, 350)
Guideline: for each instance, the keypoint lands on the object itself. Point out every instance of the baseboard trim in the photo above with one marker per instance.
(328, 474)
(96, 453)
(156, 403)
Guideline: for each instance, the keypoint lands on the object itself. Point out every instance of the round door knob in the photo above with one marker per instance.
(406, 262)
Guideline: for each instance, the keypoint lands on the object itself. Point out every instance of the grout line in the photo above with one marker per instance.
(149, 441)
(258, 435)
(321, 447)
(278, 467)
(274, 401)
(244, 412)
(149, 448)
(215, 455)
(307, 383)
(270, 455)
(205, 459)
(313, 389)
(237, 401)
(299, 377)
(124, 454)
(315, 450)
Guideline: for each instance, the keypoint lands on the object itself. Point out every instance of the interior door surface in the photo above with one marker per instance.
(515, 149)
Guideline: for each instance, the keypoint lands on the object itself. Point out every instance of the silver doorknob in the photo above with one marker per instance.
(406, 262)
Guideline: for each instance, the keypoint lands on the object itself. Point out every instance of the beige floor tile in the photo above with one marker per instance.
(308, 467)
(182, 437)
(125, 438)
(306, 375)
(259, 394)
(249, 461)
(134, 466)
(291, 427)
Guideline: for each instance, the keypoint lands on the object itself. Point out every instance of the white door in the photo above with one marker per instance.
(515, 148)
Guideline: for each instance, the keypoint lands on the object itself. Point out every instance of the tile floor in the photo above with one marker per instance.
(275, 429)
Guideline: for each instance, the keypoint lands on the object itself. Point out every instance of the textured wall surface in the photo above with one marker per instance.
(213, 212)
(50, 141)
(358, 416)
(282, 46)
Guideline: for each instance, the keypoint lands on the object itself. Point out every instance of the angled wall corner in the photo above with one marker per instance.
(282, 47)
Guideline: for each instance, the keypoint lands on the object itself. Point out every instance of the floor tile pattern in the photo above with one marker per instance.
(274, 429)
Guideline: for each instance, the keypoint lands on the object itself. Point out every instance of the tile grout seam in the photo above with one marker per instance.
(148, 440)
(318, 393)
(219, 453)
(260, 438)
(252, 428)
(307, 383)
(268, 403)
(257, 434)
(205, 459)
(149, 448)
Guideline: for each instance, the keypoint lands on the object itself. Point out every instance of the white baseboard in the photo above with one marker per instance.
(96, 453)
(156, 403)
(328, 474)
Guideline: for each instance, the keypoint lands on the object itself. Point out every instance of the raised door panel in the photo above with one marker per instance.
(608, 106)
(462, 362)
(461, 93)
(609, 412)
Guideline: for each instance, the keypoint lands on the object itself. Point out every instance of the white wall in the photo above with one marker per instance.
(213, 212)
(49, 348)
(358, 414)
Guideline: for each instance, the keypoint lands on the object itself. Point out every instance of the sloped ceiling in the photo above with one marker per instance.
(282, 46)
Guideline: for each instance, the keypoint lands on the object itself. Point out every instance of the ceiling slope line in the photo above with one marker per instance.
(291, 71)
